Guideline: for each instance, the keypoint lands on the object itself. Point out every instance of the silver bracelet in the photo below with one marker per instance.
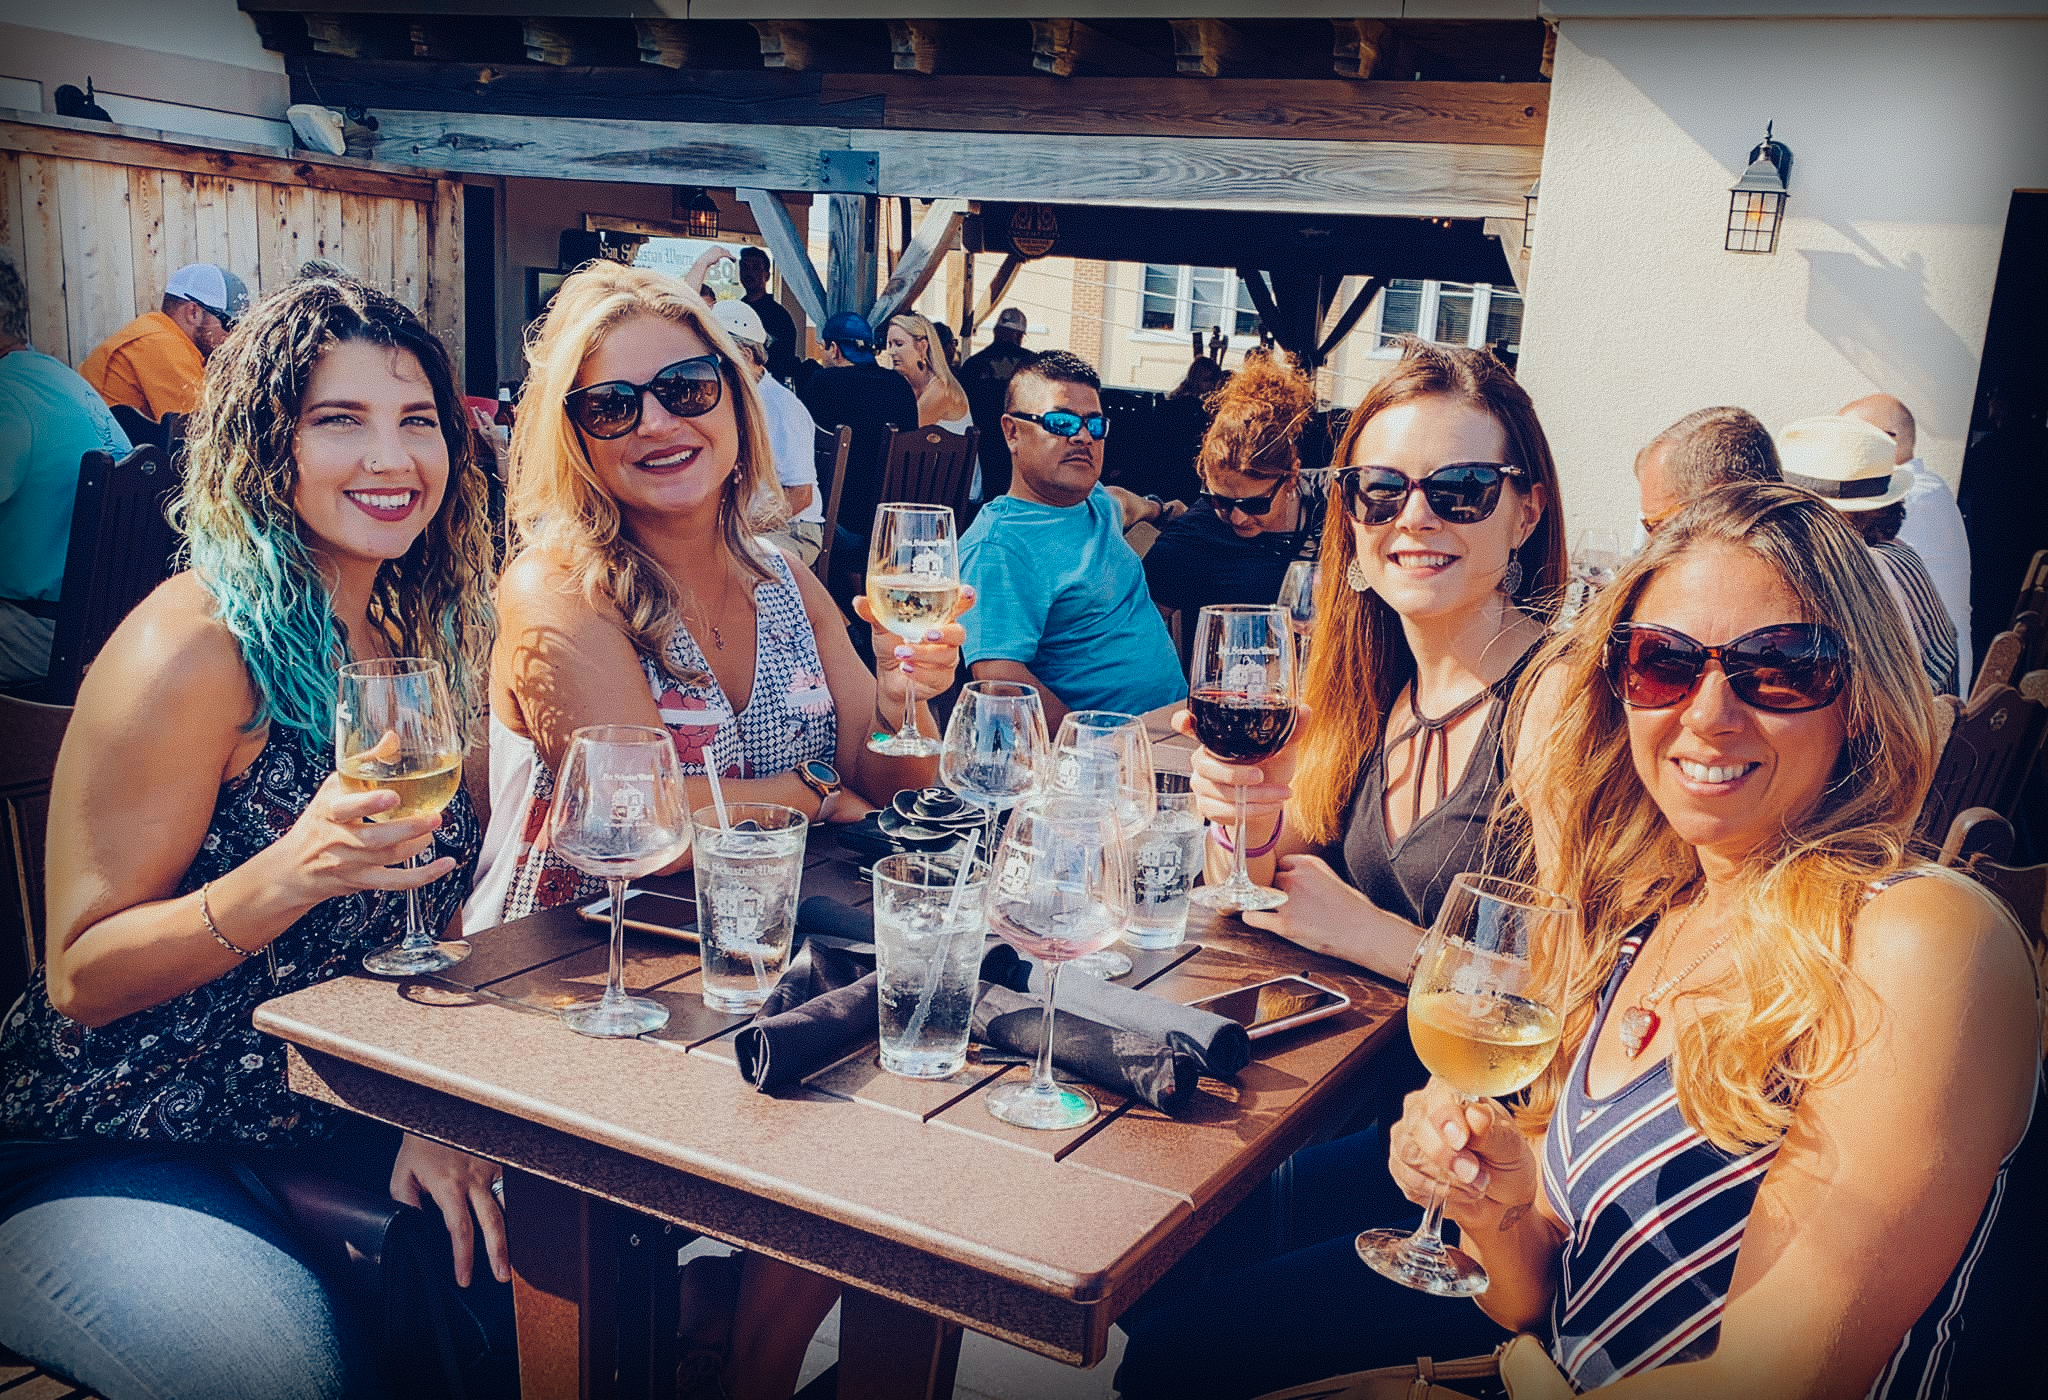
(214, 929)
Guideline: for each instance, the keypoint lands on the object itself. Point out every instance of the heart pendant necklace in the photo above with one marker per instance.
(1640, 1022)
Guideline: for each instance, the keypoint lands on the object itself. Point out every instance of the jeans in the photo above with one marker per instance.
(1277, 1296)
(153, 1272)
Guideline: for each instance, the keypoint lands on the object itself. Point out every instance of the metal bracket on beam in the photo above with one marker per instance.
(849, 172)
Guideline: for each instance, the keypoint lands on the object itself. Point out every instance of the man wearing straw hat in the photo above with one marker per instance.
(1848, 462)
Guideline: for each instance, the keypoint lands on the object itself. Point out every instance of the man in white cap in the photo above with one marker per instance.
(1934, 523)
(986, 378)
(792, 433)
(156, 362)
(1849, 463)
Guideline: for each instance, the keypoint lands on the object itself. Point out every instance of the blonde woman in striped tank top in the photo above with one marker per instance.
(643, 595)
(1770, 1158)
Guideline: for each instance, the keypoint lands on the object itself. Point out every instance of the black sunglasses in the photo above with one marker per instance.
(1062, 424)
(1790, 668)
(1462, 493)
(1250, 505)
(688, 389)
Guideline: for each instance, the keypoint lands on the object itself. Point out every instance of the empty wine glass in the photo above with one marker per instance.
(395, 729)
(913, 582)
(619, 811)
(1061, 888)
(995, 748)
(1298, 596)
(1242, 703)
(1485, 1010)
(1596, 556)
(1106, 756)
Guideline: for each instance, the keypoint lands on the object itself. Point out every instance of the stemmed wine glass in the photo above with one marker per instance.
(913, 581)
(995, 750)
(395, 728)
(620, 811)
(1105, 756)
(1595, 557)
(1485, 1010)
(1061, 888)
(1298, 596)
(1242, 702)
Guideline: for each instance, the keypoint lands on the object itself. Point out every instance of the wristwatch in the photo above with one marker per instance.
(820, 777)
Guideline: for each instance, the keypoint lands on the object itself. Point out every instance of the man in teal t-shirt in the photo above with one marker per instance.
(49, 419)
(1060, 599)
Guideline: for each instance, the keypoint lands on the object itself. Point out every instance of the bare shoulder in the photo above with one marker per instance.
(1941, 946)
(539, 587)
(172, 649)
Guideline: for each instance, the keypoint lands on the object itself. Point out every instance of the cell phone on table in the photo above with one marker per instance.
(670, 915)
(1283, 1003)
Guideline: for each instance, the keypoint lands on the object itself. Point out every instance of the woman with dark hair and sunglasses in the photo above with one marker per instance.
(1442, 557)
(643, 593)
(205, 857)
(1257, 512)
(1769, 1156)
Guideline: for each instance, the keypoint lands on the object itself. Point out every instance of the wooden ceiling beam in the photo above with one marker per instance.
(1211, 48)
(1356, 46)
(355, 36)
(936, 235)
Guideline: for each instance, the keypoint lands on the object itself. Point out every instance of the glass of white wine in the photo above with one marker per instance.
(1485, 1010)
(913, 581)
(619, 811)
(396, 729)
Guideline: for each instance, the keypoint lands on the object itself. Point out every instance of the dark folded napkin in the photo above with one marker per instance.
(1126, 1062)
(826, 1003)
(838, 924)
(1220, 1045)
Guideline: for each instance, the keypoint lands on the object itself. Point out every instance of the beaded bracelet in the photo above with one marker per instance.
(1222, 838)
(214, 929)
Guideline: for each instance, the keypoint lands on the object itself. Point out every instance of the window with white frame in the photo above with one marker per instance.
(1184, 299)
(1453, 313)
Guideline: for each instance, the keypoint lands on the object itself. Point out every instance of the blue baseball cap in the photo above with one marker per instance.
(850, 331)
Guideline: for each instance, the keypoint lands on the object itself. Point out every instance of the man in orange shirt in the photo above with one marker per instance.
(155, 363)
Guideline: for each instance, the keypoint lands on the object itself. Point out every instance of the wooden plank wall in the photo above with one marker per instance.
(96, 240)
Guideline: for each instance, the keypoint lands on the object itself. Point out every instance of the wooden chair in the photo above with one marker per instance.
(142, 430)
(27, 760)
(831, 449)
(2009, 653)
(928, 467)
(122, 546)
(1977, 834)
(1988, 754)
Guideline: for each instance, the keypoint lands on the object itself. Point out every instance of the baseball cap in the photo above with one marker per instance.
(740, 320)
(213, 287)
(850, 331)
(1013, 319)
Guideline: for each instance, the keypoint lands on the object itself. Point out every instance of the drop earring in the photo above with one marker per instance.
(1511, 577)
(1354, 574)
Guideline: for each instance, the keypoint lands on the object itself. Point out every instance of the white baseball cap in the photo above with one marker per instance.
(740, 320)
(1012, 318)
(213, 287)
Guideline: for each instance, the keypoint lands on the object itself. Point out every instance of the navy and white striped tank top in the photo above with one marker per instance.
(1656, 1215)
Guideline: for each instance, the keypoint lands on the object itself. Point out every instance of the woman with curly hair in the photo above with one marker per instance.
(1257, 512)
(919, 356)
(204, 857)
(1769, 1157)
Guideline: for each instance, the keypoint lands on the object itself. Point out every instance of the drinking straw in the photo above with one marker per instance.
(711, 776)
(932, 974)
(960, 878)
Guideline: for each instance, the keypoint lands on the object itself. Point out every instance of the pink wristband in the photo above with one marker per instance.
(1222, 838)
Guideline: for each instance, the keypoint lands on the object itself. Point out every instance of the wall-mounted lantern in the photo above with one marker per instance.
(1756, 202)
(1529, 215)
(698, 214)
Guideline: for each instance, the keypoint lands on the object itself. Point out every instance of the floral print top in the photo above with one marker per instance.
(194, 1069)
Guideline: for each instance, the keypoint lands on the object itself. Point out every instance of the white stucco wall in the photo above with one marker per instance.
(1908, 137)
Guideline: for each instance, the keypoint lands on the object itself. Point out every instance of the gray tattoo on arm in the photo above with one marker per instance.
(1512, 1216)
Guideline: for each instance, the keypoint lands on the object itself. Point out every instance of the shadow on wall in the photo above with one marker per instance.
(1875, 313)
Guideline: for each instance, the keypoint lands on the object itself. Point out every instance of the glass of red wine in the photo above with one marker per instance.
(1242, 702)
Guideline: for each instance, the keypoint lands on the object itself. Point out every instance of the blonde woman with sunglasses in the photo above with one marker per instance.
(914, 350)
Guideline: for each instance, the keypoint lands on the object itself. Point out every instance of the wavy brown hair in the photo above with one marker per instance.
(1786, 1020)
(243, 536)
(556, 500)
(1360, 659)
(1256, 420)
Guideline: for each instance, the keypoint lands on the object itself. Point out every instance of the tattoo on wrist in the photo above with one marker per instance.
(1512, 1216)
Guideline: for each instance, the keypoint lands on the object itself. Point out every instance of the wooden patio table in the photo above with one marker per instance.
(933, 1214)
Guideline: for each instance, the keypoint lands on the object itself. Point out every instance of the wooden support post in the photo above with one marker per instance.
(446, 288)
(891, 1351)
(1510, 233)
(850, 264)
(963, 302)
(788, 250)
(1549, 50)
(998, 287)
(1359, 304)
(564, 1290)
(937, 233)
(1357, 46)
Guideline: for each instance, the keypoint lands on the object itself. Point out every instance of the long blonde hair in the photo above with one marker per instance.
(1786, 1015)
(1360, 659)
(922, 331)
(557, 502)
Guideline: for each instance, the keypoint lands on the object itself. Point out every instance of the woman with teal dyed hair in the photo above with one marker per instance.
(204, 857)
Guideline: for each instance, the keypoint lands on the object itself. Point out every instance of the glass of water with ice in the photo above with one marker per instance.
(929, 932)
(748, 869)
(1165, 858)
